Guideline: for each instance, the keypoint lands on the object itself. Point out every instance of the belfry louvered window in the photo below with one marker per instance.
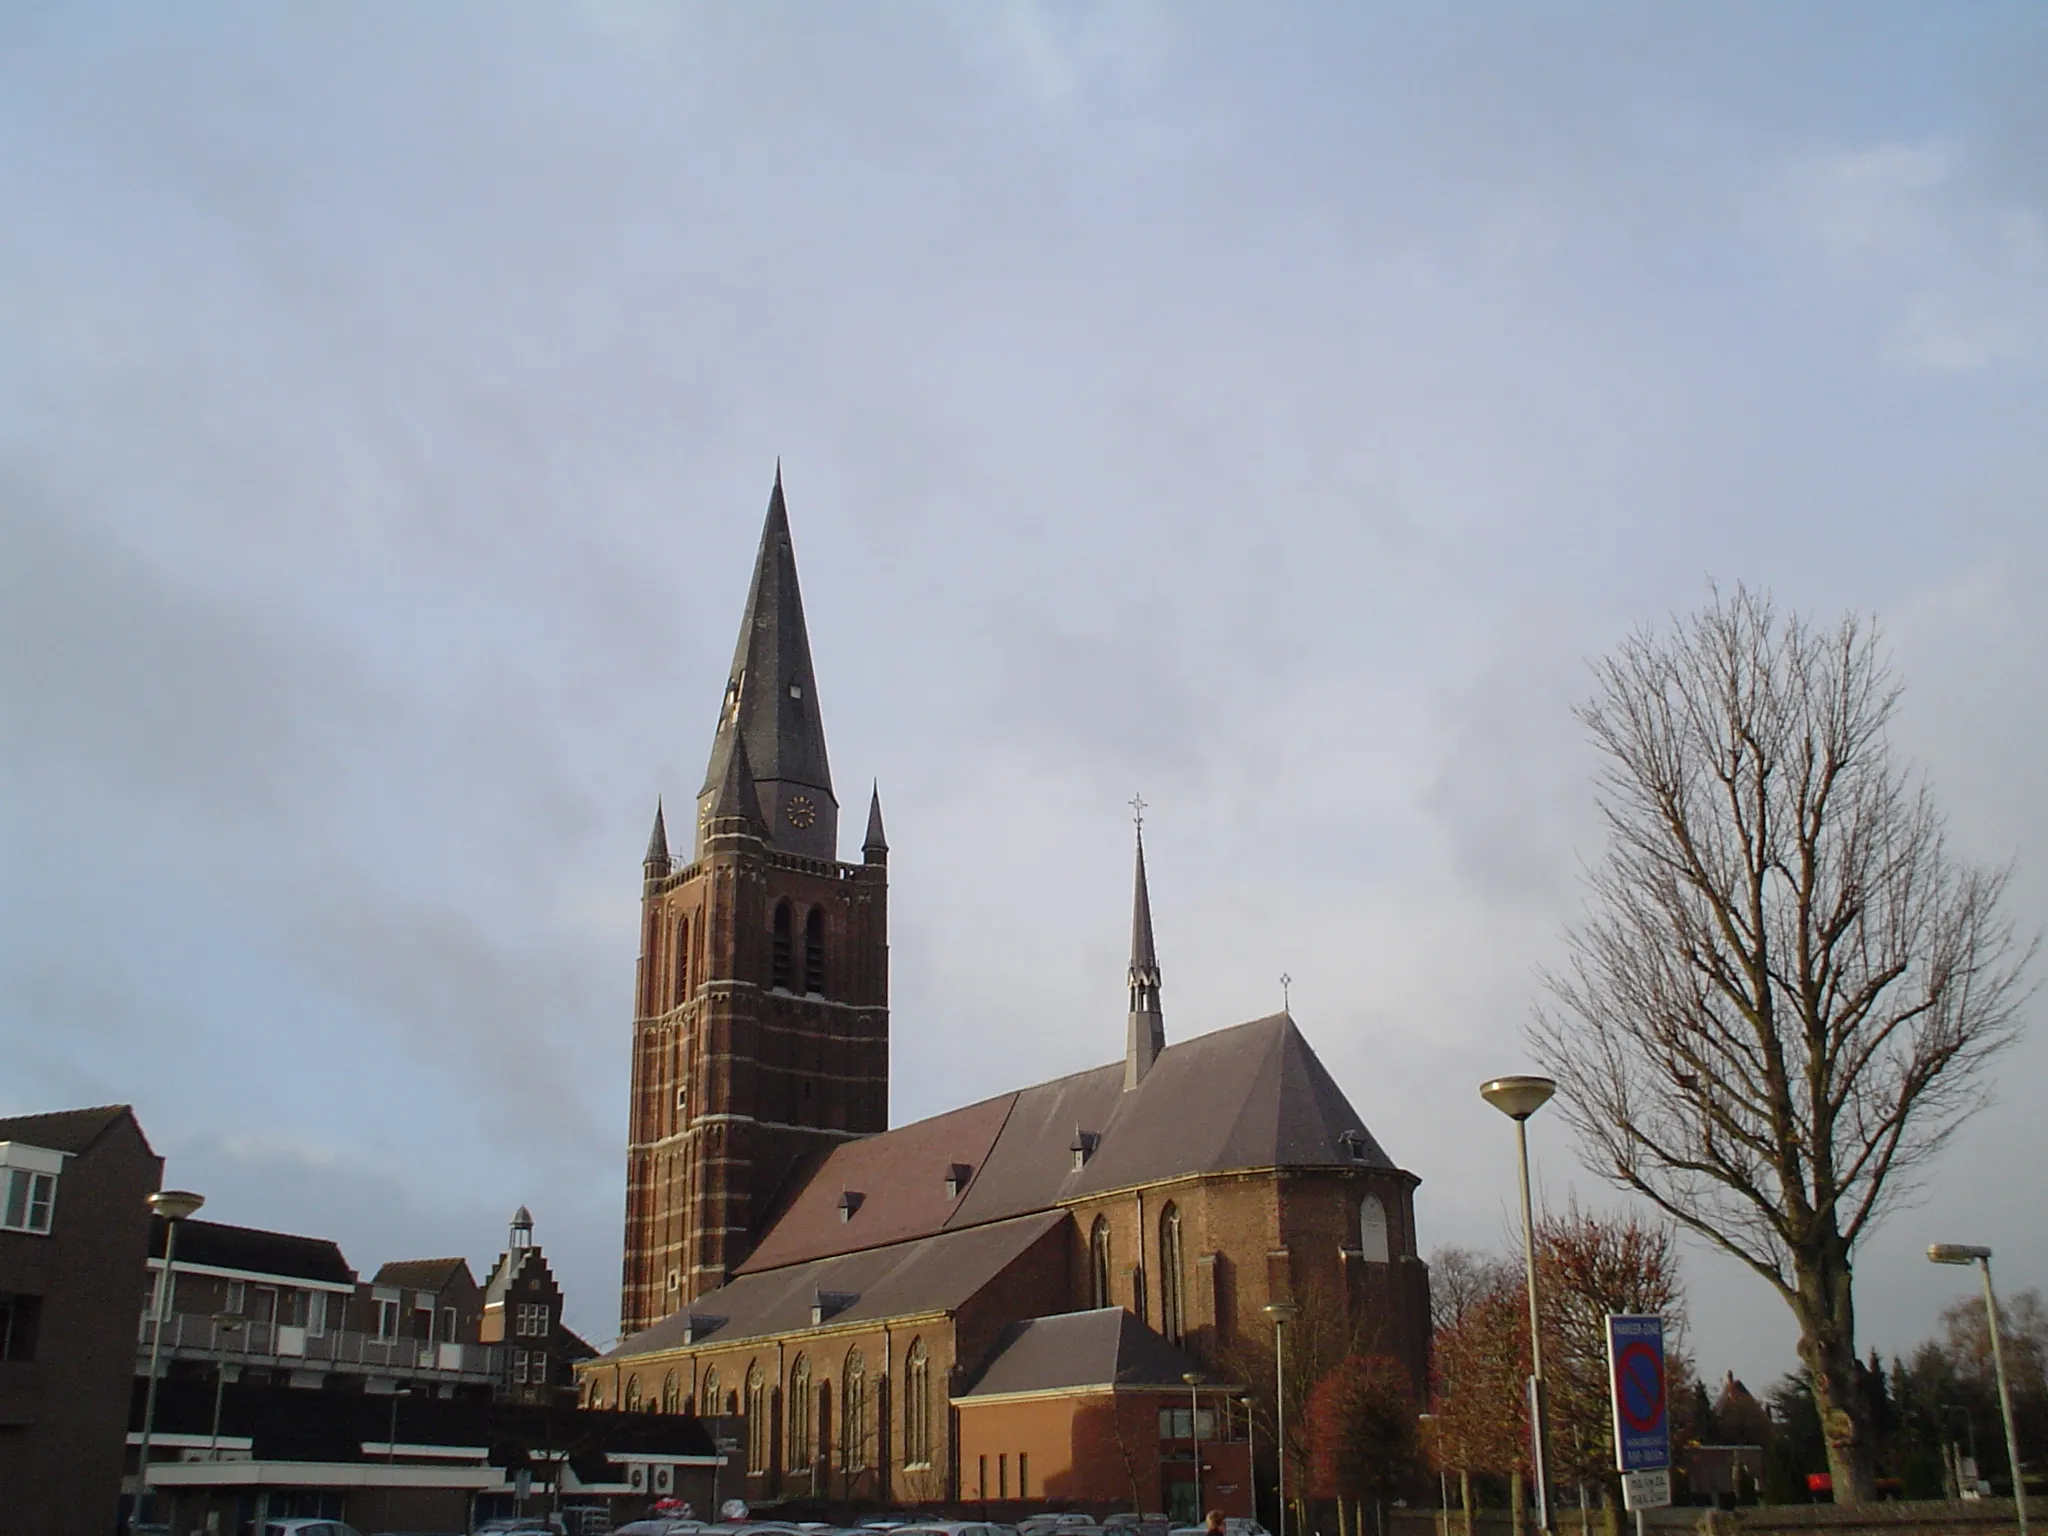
(780, 964)
(814, 952)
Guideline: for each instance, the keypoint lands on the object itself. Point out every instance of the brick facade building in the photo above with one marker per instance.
(74, 1240)
(849, 1290)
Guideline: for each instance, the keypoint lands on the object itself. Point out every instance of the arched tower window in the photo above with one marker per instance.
(814, 951)
(682, 960)
(800, 1415)
(917, 1406)
(1372, 1229)
(1170, 1312)
(781, 972)
(853, 1414)
(759, 1439)
(1098, 1263)
(671, 1394)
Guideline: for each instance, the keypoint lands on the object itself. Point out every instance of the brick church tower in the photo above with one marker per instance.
(761, 1028)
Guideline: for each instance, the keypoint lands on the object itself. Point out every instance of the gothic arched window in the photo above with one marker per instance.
(707, 1393)
(671, 1394)
(814, 951)
(759, 1439)
(633, 1395)
(682, 960)
(800, 1415)
(853, 1414)
(1372, 1230)
(1170, 1310)
(917, 1406)
(780, 965)
(1098, 1263)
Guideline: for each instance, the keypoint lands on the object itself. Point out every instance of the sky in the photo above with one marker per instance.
(1272, 409)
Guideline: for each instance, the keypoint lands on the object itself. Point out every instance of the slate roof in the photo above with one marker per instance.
(63, 1130)
(930, 1274)
(1104, 1348)
(255, 1250)
(1251, 1096)
(423, 1274)
(772, 692)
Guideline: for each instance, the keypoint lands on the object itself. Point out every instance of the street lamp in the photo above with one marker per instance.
(391, 1445)
(1194, 1380)
(1518, 1098)
(229, 1324)
(1281, 1312)
(174, 1205)
(1964, 1253)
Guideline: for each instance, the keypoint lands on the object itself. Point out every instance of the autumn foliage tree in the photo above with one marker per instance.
(1360, 1428)
(1588, 1265)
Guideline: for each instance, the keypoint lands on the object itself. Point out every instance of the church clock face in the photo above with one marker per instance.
(799, 812)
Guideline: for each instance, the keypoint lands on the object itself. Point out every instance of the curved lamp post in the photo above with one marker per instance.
(224, 1323)
(174, 1205)
(1518, 1098)
(1965, 1253)
(1281, 1312)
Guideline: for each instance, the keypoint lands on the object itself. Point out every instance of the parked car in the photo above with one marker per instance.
(307, 1528)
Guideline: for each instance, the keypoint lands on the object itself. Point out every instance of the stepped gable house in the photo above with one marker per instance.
(859, 1294)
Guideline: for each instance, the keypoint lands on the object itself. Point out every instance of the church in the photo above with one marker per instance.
(1067, 1292)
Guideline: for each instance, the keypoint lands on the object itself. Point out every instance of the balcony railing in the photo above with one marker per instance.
(196, 1336)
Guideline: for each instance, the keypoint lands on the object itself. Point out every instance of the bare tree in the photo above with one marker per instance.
(1786, 988)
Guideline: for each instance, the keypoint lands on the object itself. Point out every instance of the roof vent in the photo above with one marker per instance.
(957, 1175)
(1083, 1146)
(698, 1325)
(849, 1202)
(826, 1305)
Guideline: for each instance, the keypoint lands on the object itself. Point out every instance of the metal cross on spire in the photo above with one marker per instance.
(1137, 805)
(1286, 982)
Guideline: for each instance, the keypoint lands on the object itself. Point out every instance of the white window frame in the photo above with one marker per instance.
(387, 1320)
(28, 1200)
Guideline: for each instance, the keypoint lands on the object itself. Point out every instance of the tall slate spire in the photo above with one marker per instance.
(1147, 1026)
(771, 702)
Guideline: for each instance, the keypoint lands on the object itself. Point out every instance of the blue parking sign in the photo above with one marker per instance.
(1642, 1415)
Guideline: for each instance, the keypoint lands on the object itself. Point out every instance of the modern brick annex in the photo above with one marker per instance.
(791, 1259)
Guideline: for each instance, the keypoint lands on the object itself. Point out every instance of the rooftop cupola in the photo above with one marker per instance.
(522, 1229)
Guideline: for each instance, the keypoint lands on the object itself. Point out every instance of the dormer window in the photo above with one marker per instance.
(1353, 1143)
(826, 1305)
(849, 1202)
(957, 1175)
(1083, 1147)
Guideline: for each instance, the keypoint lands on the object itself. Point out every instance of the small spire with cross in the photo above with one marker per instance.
(1137, 805)
(1286, 1000)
